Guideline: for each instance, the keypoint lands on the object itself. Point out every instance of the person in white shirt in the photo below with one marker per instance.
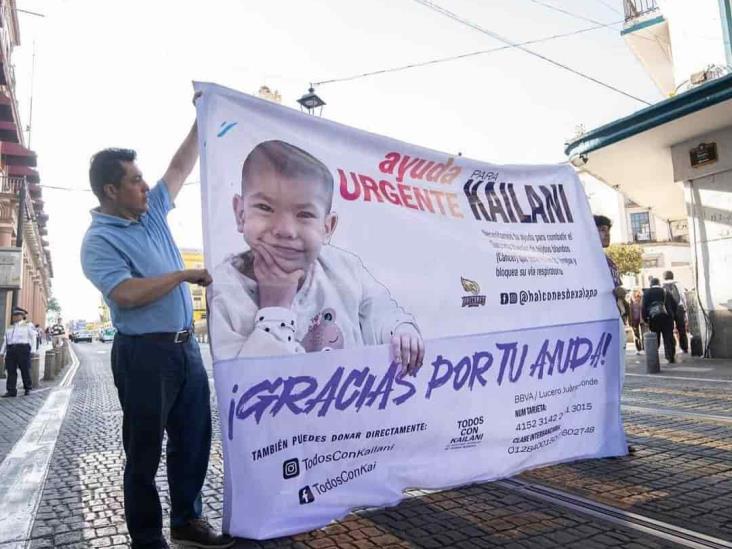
(16, 348)
(291, 291)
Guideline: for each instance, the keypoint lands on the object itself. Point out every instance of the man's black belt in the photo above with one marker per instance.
(19, 345)
(168, 337)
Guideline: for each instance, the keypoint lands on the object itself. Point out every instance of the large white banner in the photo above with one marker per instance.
(339, 255)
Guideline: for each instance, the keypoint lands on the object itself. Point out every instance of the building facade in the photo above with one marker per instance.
(665, 246)
(20, 190)
(674, 157)
(193, 259)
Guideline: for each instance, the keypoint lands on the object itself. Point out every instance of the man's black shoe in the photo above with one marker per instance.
(199, 533)
(6, 395)
(27, 392)
(162, 544)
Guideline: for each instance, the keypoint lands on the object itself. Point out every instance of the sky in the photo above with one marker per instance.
(119, 72)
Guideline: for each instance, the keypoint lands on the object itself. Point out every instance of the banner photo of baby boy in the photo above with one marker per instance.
(385, 317)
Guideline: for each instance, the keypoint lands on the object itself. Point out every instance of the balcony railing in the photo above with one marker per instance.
(645, 236)
(30, 208)
(10, 184)
(6, 50)
(637, 8)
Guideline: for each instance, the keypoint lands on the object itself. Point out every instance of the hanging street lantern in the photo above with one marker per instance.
(311, 101)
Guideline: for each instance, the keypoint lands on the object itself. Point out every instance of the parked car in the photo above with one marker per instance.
(82, 335)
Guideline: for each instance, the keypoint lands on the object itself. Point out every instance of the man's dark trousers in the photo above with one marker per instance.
(680, 321)
(663, 326)
(18, 356)
(162, 386)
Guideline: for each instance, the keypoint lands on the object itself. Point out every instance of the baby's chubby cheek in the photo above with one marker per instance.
(312, 250)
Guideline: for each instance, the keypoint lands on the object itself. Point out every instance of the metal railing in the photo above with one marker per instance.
(636, 8)
(645, 236)
(10, 184)
(6, 50)
(30, 208)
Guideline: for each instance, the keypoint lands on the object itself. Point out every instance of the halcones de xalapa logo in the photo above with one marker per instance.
(472, 287)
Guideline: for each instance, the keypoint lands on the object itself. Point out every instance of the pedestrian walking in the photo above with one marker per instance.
(636, 319)
(130, 256)
(39, 336)
(679, 295)
(16, 348)
(57, 334)
(659, 310)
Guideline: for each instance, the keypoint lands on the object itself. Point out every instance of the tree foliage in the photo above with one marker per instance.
(628, 257)
(53, 305)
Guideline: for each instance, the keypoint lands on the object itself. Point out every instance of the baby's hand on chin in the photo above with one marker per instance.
(407, 348)
(277, 287)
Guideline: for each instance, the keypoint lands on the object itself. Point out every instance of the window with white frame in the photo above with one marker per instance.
(640, 226)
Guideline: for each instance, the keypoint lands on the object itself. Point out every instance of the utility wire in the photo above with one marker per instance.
(608, 6)
(460, 56)
(565, 12)
(496, 36)
(398, 68)
(77, 189)
(583, 18)
(30, 12)
(55, 188)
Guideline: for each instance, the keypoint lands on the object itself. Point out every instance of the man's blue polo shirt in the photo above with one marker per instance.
(116, 249)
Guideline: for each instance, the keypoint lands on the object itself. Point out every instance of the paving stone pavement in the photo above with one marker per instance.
(691, 397)
(82, 501)
(82, 504)
(470, 517)
(681, 474)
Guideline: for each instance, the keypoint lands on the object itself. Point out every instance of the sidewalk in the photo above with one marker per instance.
(17, 413)
(685, 366)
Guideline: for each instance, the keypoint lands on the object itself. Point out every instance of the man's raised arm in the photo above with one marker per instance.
(182, 163)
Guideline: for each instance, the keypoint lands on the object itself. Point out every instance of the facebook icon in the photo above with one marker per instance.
(306, 495)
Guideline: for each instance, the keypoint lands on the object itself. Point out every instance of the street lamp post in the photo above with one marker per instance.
(19, 230)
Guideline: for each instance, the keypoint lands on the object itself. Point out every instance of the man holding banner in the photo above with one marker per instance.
(129, 254)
